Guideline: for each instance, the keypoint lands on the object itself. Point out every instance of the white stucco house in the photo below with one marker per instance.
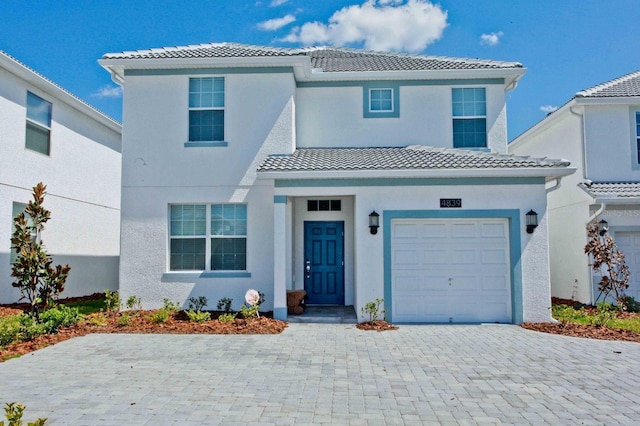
(259, 167)
(598, 130)
(48, 135)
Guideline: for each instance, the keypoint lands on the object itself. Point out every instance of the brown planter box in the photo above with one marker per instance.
(294, 301)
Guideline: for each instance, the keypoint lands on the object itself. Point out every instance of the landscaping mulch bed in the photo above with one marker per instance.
(378, 325)
(586, 331)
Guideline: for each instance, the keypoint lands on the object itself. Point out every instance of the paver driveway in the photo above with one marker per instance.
(334, 374)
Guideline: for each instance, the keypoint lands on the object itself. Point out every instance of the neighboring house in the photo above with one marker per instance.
(48, 135)
(257, 167)
(598, 130)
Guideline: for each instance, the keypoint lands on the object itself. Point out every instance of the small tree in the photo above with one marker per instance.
(609, 262)
(39, 282)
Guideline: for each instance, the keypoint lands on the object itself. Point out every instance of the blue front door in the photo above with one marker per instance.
(324, 262)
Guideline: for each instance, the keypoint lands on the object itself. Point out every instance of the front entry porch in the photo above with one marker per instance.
(325, 314)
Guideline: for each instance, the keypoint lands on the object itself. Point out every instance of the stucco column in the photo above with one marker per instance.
(279, 257)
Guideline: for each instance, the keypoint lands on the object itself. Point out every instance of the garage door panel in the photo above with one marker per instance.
(493, 230)
(433, 231)
(463, 257)
(495, 282)
(461, 274)
(409, 231)
(494, 256)
(463, 230)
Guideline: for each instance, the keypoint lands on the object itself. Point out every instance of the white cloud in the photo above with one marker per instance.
(397, 25)
(109, 92)
(276, 3)
(276, 23)
(548, 108)
(491, 39)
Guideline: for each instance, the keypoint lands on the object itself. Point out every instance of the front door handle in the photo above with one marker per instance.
(307, 268)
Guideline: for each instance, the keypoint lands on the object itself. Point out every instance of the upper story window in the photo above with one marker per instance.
(208, 237)
(38, 136)
(381, 100)
(206, 109)
(469, 107)
(638, 136)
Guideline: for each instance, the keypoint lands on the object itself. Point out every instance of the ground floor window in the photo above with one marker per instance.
(208, 237)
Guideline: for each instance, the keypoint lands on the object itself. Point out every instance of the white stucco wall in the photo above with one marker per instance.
(82, 174)
(611, 143)
(333, 117)
(159, 170)
(369, 249)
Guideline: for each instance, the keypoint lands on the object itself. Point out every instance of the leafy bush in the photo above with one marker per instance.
(39, 282)
(197, 303)
(373, 310)
(30, 328)
(224, 304)
(170, 306)
(9, 329)
(631, 304)
(198, 316)
(134, 303)
(227, 317)
(123, 320)
(161, 316)
(97, 319)
(605, 314)
(61, 316)
(14, 412)
(111, 300)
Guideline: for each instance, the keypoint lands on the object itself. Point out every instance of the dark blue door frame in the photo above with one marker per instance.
(324, 262)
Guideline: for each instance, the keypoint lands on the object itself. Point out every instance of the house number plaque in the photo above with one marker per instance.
(450, 203)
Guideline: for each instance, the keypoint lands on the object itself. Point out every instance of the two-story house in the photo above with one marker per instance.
(598, 130)
(48, 135)
(354, 175)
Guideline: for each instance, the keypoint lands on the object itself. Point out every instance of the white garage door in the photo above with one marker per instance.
(450, 270)
(629, 243)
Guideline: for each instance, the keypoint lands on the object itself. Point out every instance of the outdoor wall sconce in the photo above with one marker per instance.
(374, 222)
(532, 221)
(603, 227)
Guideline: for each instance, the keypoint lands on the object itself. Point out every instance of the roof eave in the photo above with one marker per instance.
(301, 64)
(547, 172)
(508, 74)
(607, 100)
(52, 89)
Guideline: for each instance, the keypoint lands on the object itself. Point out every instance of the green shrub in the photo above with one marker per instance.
(111, 300)
(97, 319)
(197, 303)
(373, 310)
(605, 314)
(134, 303)
(60, 316)
(9, 329)
(198, 316)
(30, 328)
(170, 306)
(227, 317)
(14, 412)
(160, 317)
(631, 304)
(250, 311)
(123, 320)
(224, 304)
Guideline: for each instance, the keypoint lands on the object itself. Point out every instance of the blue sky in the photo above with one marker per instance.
(566, 45)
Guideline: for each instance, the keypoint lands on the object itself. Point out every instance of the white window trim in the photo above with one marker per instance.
(38, 124)
(207, 272)
(381, 111)
(223, 142)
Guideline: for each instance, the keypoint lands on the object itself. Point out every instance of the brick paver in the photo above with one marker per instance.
(331, 374)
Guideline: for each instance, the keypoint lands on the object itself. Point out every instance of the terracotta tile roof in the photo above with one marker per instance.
(625, 86)
(612, 190)
(329, 59)
(409, 158)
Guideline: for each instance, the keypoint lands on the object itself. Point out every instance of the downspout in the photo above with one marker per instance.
(116, 78)
(556, 185)
(603, 206)
(583, 140)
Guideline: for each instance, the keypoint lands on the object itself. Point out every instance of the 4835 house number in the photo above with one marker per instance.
(450, 203)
